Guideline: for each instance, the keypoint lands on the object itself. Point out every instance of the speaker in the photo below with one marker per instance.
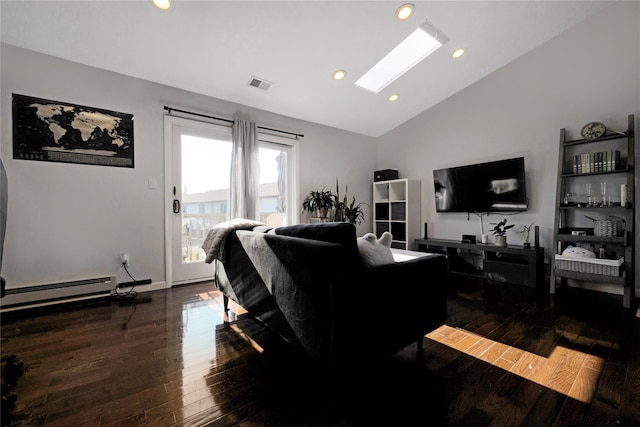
(536, 240)
(385, 175)
(425, 231)
(468, 238)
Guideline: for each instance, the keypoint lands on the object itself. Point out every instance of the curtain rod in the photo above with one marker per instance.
(170, 109)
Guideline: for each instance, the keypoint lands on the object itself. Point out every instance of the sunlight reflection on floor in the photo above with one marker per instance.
(570, 372)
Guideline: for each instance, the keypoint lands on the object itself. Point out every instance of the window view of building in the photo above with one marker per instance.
(205, 189)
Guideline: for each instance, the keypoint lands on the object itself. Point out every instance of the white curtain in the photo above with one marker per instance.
(245, 170)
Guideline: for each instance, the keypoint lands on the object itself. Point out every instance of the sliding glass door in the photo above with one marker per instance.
(199, 192)
(198, 185)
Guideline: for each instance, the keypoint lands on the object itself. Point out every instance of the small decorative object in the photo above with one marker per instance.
(318, 203)
(593, 130)
(484, 238)
(571, 199)
(526, 229)
(590, 201)
(603, 192)
(500, 231)
(468, 238)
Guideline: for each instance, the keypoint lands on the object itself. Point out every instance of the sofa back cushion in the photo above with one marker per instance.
(343, 233)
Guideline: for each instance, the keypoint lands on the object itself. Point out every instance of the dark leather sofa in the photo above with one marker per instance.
(307, 283)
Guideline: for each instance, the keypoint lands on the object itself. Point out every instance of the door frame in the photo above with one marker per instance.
(170, 121)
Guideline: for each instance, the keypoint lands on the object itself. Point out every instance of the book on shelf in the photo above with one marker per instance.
(615, 160)
(600, 161)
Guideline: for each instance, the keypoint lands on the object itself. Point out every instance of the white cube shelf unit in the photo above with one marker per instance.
(397, 208)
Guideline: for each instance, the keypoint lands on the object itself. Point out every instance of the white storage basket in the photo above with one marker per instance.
(606, 267)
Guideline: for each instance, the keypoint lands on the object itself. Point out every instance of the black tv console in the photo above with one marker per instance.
(507, 264)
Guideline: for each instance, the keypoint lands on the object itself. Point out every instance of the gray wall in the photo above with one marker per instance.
(68, 221)
(72, 221)
(589, 73)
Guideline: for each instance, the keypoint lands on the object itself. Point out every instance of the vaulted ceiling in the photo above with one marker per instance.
(215, 47)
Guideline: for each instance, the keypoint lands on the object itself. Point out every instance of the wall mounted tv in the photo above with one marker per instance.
(496, 186)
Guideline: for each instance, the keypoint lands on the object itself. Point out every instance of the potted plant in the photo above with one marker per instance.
(344, 211)
(500, 231)
(526, 229)
(318, 203)
(339, 204)
(352, 212)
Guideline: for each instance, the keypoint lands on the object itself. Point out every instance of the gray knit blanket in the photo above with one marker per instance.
(213, 245)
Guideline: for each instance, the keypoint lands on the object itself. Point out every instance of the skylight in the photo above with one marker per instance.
(418, 45)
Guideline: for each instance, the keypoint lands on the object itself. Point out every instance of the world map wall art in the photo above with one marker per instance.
(56, 131)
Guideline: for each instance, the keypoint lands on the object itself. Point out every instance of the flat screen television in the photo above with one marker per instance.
(496, 186)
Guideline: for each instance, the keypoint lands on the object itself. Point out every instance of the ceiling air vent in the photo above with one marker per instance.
(259, 83)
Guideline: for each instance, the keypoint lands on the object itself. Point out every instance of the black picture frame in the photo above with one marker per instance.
(54, 131)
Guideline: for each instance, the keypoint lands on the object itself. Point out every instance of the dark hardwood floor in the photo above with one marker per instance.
(169, 358)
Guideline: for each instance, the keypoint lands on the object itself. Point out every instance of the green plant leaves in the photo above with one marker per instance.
(500, 228)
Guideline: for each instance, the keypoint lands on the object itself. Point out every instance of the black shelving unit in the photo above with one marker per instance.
(570, 216)
(510, 264)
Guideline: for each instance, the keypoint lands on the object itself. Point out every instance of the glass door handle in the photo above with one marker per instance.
(176, 202)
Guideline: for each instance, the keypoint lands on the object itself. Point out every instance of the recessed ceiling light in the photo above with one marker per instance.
(339, 75)
(162, 4)
(404, 11)
(393, 97)
(418, 45)
(457, 53)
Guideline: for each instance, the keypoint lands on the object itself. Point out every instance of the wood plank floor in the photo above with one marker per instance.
(169, 358)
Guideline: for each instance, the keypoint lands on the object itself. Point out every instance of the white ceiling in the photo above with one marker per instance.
(214, 47)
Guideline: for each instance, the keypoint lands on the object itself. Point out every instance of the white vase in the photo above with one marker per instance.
(501, 241)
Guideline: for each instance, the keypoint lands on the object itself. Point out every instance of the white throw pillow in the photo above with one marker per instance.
(375, 252)
(578, 252)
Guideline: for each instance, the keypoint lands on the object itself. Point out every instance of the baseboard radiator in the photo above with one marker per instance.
(32, 296)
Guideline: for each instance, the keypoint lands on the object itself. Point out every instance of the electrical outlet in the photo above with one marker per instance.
(124, 259)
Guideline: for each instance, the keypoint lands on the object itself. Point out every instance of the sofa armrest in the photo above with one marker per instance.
(389, 306)
(296, 274)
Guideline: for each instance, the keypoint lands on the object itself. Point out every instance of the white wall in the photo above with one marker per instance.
(589, 73)
(71, 221)
(68, 221)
